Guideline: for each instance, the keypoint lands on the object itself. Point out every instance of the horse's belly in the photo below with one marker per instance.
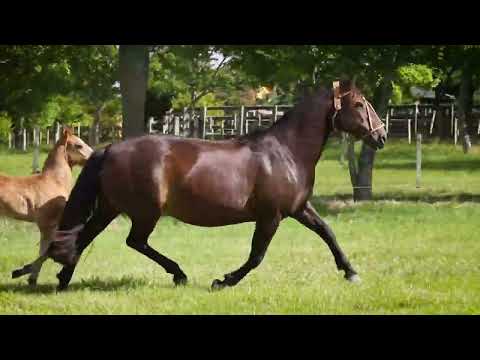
(209, 209)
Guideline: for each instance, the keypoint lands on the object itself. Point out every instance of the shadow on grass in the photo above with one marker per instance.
(92, 284)
(322, 203)
(447, 165)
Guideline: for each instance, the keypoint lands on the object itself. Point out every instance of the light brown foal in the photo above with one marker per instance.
(40, 198)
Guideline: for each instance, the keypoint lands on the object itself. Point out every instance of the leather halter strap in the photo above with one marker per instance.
(337, 103)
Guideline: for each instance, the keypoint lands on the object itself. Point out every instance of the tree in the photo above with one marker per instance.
(133, 66)
(30, 78)
(191, 73)
(94, 69)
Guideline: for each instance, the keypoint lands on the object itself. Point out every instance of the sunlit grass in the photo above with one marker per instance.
(417, 254)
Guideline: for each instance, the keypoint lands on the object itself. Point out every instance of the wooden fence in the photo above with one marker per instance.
(229, 121)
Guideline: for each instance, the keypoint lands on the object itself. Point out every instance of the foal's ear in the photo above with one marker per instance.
(65, 134)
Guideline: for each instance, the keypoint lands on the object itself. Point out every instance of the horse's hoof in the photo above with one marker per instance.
(180, 280)
(354, 278)
(32, 282)
(217, 285)
(62, 287)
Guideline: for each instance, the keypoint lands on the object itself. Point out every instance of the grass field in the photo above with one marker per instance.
(417, 251)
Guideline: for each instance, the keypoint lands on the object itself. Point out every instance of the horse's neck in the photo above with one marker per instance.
(57, 166)
(306, 132)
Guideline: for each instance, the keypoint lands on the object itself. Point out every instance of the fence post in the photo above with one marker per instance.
(416, 117)
(242, 116)
(9, 140)
(78, 130)
(455, 131)
(204, 121)
(48, 136)
(275, 110)
(452, 118)
(432, 123)
(36, 151)
(419, 159)
(409, 131)
(176, 125)
(24, 147)
(57, 132)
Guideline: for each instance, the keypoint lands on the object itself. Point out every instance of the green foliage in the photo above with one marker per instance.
(417, 75)
(5, 126)
(396, 94)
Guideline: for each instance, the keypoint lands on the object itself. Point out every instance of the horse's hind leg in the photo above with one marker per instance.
(264, 231)
(101, 218)
(138, 240)
(309, 217)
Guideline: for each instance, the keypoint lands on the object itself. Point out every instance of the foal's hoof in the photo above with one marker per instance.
(217, 285)
(17, 273)
(353, 278)
(180, 280)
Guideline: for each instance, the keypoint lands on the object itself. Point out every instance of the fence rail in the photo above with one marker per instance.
(220, 122)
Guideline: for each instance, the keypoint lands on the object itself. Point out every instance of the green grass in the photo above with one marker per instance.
(417, 251)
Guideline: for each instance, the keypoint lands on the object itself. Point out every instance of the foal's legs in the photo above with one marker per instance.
(138, 240)
(309, 217)
(45, 240)
(103, 216)
(264, 231)
(34, 268)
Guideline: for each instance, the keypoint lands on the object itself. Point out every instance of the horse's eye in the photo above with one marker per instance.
(358, 105)
(78, 146)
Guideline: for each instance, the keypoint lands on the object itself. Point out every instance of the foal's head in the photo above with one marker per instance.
(77, 151)
(356, 116)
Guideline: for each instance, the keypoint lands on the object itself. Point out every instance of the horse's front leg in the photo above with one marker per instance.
(309, 217)
(264, 231)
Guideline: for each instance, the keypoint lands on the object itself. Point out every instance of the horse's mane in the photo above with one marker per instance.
(306, 99)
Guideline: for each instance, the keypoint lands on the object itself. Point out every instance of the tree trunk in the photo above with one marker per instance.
(18, 134)
(94, 132)
(134, 63)
(465, 104)
(362, 184)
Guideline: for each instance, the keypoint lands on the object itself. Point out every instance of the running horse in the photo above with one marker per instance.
(40, 198)
(262, 177)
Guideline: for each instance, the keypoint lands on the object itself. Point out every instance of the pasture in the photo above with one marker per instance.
(416, 250)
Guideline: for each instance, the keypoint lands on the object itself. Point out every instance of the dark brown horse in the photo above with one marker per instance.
(262, 177)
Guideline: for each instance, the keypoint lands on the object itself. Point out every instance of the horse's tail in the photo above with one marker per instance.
(79, 207)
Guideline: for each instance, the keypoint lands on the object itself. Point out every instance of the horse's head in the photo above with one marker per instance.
(77, 150)
(356, 116)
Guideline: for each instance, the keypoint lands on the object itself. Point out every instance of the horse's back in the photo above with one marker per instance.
(190, 179)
